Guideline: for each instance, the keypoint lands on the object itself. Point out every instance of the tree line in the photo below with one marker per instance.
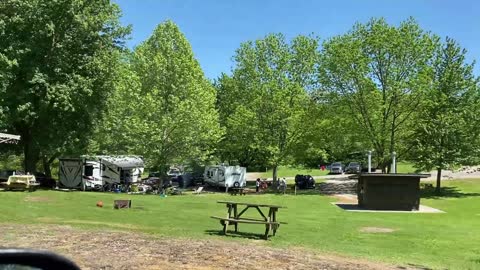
(70, 86)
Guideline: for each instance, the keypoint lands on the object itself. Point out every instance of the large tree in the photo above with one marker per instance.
(376, 73)
(447, 131)
(266, 106)
(56, 70)
(163, 107)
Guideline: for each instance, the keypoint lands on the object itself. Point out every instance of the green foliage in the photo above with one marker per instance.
(265, 106)
(56, 70)
(10, 162)
(447, 132)
(163, 107)
(375, 74)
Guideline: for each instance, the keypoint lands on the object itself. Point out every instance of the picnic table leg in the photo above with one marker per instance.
(268, 226)
(236, 216)
(274, 219)
(229, 215)
(267, 231)
(225, 227)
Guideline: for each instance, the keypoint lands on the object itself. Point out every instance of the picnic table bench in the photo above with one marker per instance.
(237, 191)
(234, 217)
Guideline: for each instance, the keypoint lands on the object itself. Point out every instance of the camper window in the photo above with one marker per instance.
(103, 167)
(89, 170)
(221, 173)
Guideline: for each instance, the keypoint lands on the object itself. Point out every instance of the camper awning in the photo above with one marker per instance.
(124, 161)
(8, 138)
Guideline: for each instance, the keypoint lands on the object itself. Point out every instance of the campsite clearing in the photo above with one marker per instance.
(431, 240)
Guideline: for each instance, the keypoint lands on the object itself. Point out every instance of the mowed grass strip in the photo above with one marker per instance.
(449, 240)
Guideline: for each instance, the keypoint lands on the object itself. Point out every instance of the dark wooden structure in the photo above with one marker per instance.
(234, 217)
(237, 191)
(389, 191)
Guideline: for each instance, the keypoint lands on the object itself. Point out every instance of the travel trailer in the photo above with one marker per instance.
(225, 176)
(99, 172)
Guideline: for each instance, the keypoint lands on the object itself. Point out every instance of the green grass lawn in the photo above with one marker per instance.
(288, 171)
(405, 167)
(441, 241)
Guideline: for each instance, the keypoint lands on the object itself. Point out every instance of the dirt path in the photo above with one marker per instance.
(126, 250)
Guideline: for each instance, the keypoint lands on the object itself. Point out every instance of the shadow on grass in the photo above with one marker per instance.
(415, 266)
(232, 234)
(428, 192)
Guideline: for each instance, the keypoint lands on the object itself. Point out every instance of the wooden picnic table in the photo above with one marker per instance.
(235, 191)
(234, 217)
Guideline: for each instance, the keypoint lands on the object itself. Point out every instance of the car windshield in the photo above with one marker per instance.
(353, 164)
(337, 164)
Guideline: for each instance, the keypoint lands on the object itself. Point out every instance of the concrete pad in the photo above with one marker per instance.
(353, 207)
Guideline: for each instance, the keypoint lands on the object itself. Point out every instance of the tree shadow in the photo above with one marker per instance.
(428, 192)
(232, 234)
(415, 266)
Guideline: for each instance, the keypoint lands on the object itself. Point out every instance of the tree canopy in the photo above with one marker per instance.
(378, 72)
(56, 60)
(164, 107)
(265, 106)
(445, 131)
(68, 86)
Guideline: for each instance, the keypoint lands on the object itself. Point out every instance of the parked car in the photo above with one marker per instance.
(336, 168)
(174, 173)
(353, 167)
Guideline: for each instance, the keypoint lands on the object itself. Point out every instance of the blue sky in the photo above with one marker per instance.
(215, 28)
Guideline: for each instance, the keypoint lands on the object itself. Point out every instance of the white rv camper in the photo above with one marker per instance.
(225, 176)
(100, 171)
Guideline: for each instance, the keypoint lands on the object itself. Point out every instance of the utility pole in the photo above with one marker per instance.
(394, 162)
(369, 161)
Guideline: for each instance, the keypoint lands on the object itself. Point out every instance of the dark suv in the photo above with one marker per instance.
(353, 167)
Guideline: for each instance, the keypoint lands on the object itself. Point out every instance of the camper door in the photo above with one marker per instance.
(71, 172)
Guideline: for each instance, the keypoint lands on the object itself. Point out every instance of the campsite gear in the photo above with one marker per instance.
(263, 185)
(21, 182)
(304, 181)
(198, 190)
(120, 204)
(225, 176)
(270, 220)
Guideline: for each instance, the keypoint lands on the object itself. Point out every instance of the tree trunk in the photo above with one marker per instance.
(275, 171)
(47, 165)
(439, 179)
(31, 154)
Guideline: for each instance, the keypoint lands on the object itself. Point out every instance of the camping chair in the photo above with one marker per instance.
(198, 190)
